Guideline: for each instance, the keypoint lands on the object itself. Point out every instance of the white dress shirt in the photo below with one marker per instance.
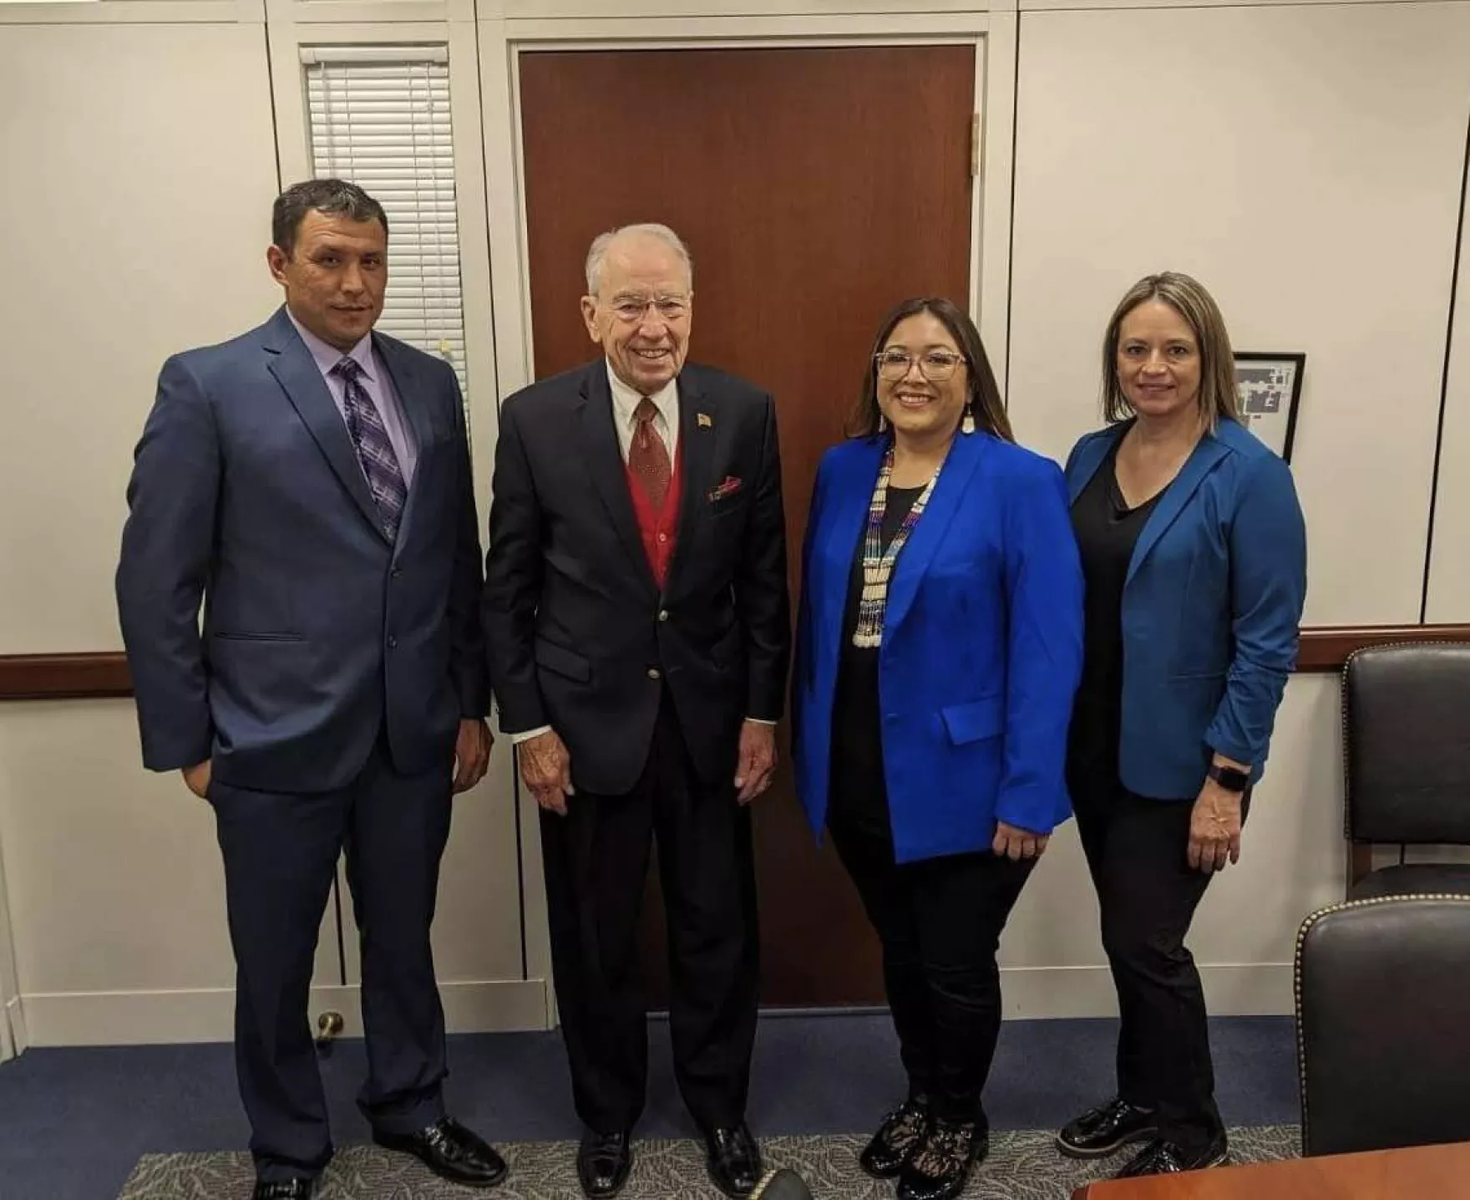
(625, 404)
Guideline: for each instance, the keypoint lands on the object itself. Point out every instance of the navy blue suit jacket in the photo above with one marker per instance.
(318, 633)
(1211, 610)
(982, 645)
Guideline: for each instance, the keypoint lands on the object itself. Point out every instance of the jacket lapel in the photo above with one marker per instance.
(1201, 461)
(605, 466)
(696, 448)
(413, 398)
(1090, 456)
(296, 371)
(954, 478)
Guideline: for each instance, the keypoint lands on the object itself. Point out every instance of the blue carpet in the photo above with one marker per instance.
(74, 1121)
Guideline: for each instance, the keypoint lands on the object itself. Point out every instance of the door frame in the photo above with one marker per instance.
(501, 44)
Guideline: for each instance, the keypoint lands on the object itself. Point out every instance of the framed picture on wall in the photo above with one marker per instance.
(1269, 386)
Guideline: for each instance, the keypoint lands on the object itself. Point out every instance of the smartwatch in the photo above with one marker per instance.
(1229, 778)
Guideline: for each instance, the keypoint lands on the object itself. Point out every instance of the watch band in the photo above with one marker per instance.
(1230, 778)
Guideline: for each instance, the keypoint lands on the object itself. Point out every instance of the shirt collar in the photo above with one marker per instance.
(327, 357)
(625, 399)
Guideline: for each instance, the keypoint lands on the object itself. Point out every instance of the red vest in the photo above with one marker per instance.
(659, 527)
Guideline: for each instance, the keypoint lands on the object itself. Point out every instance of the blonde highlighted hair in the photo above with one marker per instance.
(1186, 296)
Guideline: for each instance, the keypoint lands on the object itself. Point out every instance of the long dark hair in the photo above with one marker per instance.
(984, 395)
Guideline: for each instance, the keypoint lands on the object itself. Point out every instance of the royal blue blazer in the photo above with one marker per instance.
(1212, 607)
(982, 645)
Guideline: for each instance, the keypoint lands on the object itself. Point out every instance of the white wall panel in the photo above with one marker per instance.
(1305, 165)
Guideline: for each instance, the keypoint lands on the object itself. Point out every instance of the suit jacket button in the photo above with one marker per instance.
(663, 614)
(396, 572)
(392, 643)
(654, 673)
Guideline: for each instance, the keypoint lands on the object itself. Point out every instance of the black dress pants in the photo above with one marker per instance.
(1137, 853)
(939, 921)
(596, 861)
(280, 855)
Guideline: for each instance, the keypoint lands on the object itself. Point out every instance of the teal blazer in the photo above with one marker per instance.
(982, 645)
(1211, 610)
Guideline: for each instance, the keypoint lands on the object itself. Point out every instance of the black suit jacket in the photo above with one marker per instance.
(578, 634)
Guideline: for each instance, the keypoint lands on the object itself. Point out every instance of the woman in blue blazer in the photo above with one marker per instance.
(1194, 552)
(938, 649)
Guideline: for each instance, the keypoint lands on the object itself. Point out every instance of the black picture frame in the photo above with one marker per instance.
(1264, 383)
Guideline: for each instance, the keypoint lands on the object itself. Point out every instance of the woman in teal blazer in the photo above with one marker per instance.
(938, 648)
(1194, 553)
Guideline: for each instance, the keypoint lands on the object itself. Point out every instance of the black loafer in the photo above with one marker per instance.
(941, 1166)
(1163, 1157)
(603, 1163)
(283, 1189)
(734, 1160)
(1100, 1131)
(451, 1151)
(901, 1134)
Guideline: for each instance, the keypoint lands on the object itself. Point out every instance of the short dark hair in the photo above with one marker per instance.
(984, 395)
(334, 196)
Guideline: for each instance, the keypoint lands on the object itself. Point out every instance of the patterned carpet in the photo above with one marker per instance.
(1021, 1166)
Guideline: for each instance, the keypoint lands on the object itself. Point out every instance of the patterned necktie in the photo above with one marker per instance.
(648, 457)
(374, 450)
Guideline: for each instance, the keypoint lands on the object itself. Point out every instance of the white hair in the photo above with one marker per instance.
(662, 233)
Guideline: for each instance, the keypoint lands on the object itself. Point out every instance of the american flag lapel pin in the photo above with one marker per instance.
(704, 421)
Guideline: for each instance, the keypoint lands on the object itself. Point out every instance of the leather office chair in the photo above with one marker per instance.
(1406, 741)
(1383, 1045)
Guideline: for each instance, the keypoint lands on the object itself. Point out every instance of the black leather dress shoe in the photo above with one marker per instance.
(902, 1132)
(1101, 1130)
(283, 1189)
(1163, 1157)
(603, 1163)
(734, 1160)
(451, 1151)
(941, 1166)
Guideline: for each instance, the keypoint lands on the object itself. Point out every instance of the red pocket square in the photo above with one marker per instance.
(728, 487)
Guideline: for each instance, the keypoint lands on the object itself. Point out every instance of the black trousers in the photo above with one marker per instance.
(280, 855)
(939, 921)
(596, 860)
(1136, 851)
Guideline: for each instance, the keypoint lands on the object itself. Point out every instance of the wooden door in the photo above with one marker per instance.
(815, 189)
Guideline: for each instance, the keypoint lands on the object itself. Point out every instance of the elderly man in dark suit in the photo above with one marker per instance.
(310, 482)
(636, 618)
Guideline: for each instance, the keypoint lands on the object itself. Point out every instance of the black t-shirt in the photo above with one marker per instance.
(1107, 530)
(858, 798)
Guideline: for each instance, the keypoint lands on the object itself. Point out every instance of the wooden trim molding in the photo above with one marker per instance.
(63, 676)
(1327, 647)
(81, 676)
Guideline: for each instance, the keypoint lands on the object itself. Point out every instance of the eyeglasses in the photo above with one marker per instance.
(631, 308)
(934, 365)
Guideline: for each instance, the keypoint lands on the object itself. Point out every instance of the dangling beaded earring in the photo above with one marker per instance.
(968, 424)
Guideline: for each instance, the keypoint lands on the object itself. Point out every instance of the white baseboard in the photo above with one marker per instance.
(1231, 990)
(208, 1014)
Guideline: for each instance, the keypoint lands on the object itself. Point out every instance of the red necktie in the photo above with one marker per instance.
(648, 457)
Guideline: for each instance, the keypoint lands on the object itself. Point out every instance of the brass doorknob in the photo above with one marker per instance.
(328, 1026)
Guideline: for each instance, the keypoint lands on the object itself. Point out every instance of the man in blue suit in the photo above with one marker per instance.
(309, 481)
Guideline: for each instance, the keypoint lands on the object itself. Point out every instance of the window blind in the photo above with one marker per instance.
(379, 118)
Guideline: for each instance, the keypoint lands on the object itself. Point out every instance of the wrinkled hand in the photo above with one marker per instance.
(1214, 828)
(471, 753)
(1016, 843)
(546, 768)
(196, 778)
(755, 762)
